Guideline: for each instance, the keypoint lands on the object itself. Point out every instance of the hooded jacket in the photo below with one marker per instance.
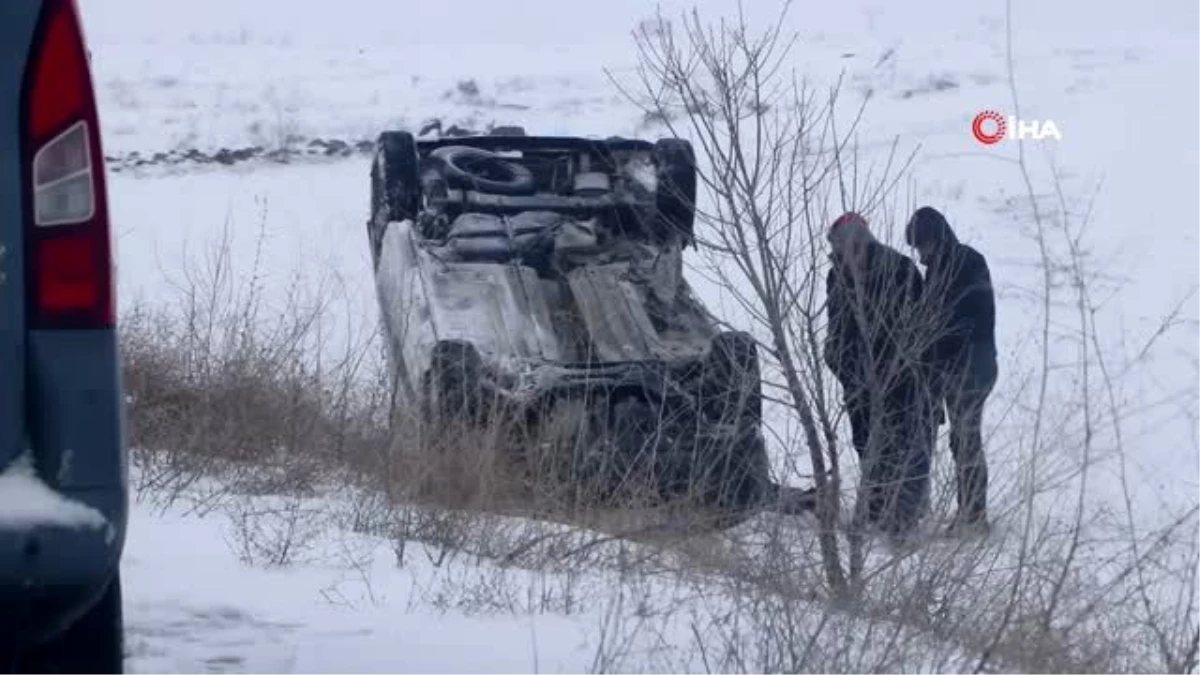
(958, 288)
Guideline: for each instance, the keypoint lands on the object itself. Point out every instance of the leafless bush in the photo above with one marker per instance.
(775, 168)
(222, 384)
(276, 532)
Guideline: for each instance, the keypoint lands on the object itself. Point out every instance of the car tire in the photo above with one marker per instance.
(740, 468)
(638, 441)
(94, 643)
(453, 383)
(395, 185)
(464, 166)
(676, 192)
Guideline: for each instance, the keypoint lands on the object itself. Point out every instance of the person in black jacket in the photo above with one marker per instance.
(962, 308)
(873, 293)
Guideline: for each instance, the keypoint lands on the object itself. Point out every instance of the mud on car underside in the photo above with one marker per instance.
(539, 281)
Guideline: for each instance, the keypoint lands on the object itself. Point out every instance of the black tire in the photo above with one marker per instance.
(395, 185)
(478, 169)
(640, 452)
(732, 398)
(453, 384)
(676, 193)
(93, 644)
(732, 378)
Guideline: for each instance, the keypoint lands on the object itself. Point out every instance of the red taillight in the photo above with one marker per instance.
(67, 231)
(59, 57)
(66, 269)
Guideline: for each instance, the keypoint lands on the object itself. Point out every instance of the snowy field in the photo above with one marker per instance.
(194, 606)
(1118, 79)
(200, 597)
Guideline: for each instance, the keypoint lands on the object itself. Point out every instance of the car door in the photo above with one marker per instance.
(17, 21)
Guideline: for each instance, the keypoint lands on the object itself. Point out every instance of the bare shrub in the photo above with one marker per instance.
(276, 532)
(222, 384)
(776, 168)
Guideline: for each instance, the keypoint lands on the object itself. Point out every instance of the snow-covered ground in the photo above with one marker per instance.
(193, 605)
(212, 593)
(1119, 80)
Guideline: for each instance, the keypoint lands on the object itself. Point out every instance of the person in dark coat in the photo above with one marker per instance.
(873, 292)
(958, 288)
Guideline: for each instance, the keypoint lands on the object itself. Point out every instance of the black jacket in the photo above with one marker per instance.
(959, 289)
(884, 329)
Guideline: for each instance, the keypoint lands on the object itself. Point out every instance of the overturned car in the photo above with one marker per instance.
(537, 282)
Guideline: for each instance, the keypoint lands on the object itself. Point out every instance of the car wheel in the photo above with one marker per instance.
(395, 185)
(734, 380)
(478, 169)
(637, 433)
(732, 401)
(453, 383)
(676, 191)
(93, 644)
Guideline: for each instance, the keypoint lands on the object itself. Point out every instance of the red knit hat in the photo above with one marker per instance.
(849, 218)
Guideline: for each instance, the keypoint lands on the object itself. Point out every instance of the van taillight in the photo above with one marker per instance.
(69, 257)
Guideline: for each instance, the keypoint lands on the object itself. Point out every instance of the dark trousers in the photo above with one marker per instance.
(967, 392)
(894, 441)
